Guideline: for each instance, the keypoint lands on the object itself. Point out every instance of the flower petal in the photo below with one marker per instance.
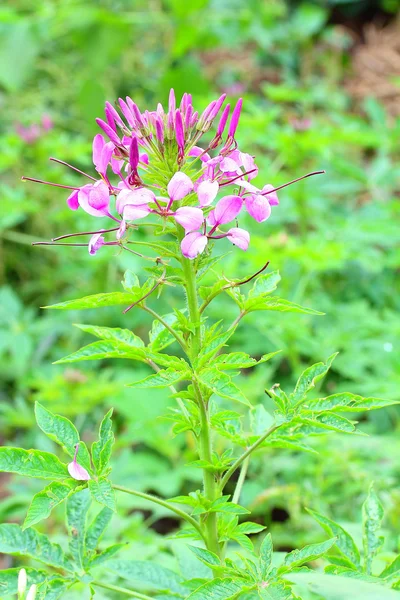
(227, 209)
(95, 243)
(207, 192)
(78, 472)
(180, 186)
(193, 244)
(190, 217)
(239, 237)
(136, 197)
(94, 199)
(72, 200)
(272, 198)
(132, 212)
(258, 207)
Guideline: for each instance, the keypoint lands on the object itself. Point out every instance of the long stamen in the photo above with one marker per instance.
(62, 162)
(294, 181)
(68, 235)
(67, 187)
(238, 177)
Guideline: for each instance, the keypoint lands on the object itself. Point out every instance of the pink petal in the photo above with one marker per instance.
(131, 212)
(121, 231)
(207, 192)
(98, 145)
(189, 217)
(228, 165)
(193, 244)
(239, 237)
(136, 197)
(95, 243)
(211, 218)
(72, 200)
(94, 199)
(272, 198)
(78, 472)
(180, 186)
(197, 151)
(258, 207)
(227, 209)
(247, 185)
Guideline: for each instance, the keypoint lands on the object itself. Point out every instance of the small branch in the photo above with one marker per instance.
(155, 286)
(240, 482)
(163, 503)
(245, 454)
(114, 588)
(238, 319)
(291, 182)
(68, 235)
(172, 332)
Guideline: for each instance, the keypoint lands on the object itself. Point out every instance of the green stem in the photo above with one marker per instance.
(163, 503)
(115, 588)
(240, 482)
(243, 457)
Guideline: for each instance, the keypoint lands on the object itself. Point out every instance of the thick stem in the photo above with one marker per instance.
(115, 588)
(163, 503)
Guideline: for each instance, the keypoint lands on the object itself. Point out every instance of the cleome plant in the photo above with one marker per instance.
(153, 175)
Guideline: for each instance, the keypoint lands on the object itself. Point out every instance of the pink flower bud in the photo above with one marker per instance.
(111, 110)
(193, 244)
(160, 130)
(126, 111)
(190, 217)
(273, 197)
(235, 118)
(72, 200)
(207, 192)
(227, 209)
(95, 243)
(239, 237)
(223, 120)
(134, 153)
(179, 133)
(102, 153)
(109, 131)
(77, 471)
(136, 112)
(217, 107)
(171, 101)
(258, 207)
(188, 116)
(179, 186)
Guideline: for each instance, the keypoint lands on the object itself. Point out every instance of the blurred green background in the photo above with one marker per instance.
(321, 83)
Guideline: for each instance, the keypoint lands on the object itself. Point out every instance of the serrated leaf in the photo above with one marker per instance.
(344, 541)
(242, 540)
(102, 350)
(114, 334)
(43, 502)
(265, 284)
(392, 569)
(208, 558)
(98, 301)
(164, 378)
(222, 385)
(63, 432)
(278, 304)
(332, 422)
(240, 360)
(101, 450)
(372, 511)
(106, 555)
(103, 492)
(249, 528)
(159, 336)
(218, 589)
(347, 402)
(9, 580)
(213, 346)
(308, 553)
(29, 542)
(77, 509)
(32, 463)
(97, 528)
(309, 378)
(266, 551)
(149, 573)
(52, 590)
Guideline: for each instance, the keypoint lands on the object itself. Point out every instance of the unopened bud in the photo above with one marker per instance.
(32, 592)
(22, 581)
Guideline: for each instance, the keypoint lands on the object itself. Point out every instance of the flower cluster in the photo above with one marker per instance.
(151, 164)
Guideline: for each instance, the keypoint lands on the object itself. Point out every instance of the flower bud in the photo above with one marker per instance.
(32, 592)
(22, 581)
(235, 118)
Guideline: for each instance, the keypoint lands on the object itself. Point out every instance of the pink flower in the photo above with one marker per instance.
(193, 244)
(227, 209)
(77, 471)
(72, 200)
(94, 199)
(102, 153)
(258, 207)
(235, 118)
(190, 217)
(239, 237)
(137, 197)
(273, 197)
(179, 186)
(95, 243)
(207, 192)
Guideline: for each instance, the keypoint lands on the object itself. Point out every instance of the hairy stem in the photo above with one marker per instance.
(115, 588)
(163, 503)
(245, 454)
(240, 482)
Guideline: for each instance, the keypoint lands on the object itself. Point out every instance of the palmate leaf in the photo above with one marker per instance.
(101, 450)
(28, 542)
(32, 463)
(159, 336)
(9, 580)
(106, 555)
(266, 552)
(51, 496)
(63, 432)
(77, 509)
(150, 574)
(344, 541)
(372, 511)
(265, 284)
(219, 589)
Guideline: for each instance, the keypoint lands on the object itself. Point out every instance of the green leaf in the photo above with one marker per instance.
(32, 463)
(208, 558)
(213, 346)
(279, 304)
(277, 590)
(372, 511)
(249, 528)
(222, 385)
(346, 401)
(101, 450)
(28, 542)
(159, 336)
(309, 378)
(115, 334)
(77, 509)
(104, 349)
(218, 589)
(52, 590)
(9, 580)
(98, 301)
(164, 378)
(331, 421)
(240, 360)
(392, 569)
(243, 540)
(265, 284)
(103, 492)
(149, 573)
(131, 282)
(266, 551)
(97, 528)
(106, 555)
(344, 541)
(43, 502)
(63, 432)
(338, 587)
(308, 553)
